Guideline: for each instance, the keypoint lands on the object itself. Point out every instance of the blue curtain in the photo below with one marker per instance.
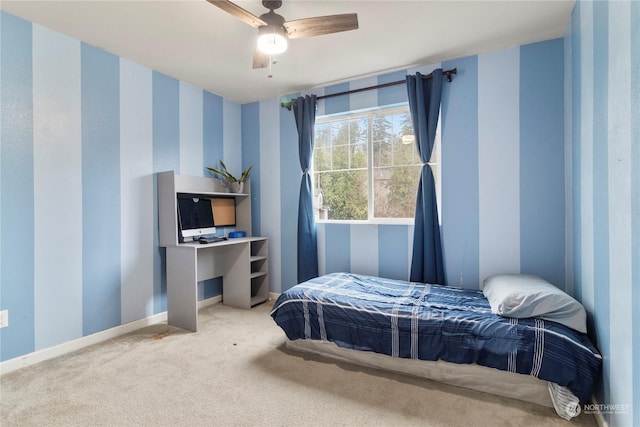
(304, 110)
(424, 103)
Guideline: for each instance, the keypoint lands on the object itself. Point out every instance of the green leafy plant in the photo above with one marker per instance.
(227, 176)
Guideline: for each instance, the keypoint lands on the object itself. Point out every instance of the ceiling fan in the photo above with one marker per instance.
(274, 31)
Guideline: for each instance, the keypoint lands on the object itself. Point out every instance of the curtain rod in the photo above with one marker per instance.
(446, 73)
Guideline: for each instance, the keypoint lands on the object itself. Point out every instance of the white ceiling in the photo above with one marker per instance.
(198, 43)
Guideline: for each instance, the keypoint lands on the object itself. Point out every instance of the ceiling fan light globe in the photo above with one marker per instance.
(272, 43)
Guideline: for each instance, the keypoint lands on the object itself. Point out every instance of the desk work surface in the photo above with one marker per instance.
(233, 241)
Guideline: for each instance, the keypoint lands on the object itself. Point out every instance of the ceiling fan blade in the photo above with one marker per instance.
(260, 60)
(235, 10)
(321, 25)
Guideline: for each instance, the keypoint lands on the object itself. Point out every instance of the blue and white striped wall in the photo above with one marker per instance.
(83, 132)
(503, 165)
(602, 82)
(503, 173)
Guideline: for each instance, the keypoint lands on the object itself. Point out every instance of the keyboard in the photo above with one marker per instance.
(205, 240)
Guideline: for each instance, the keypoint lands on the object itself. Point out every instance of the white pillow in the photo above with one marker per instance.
(522, 296)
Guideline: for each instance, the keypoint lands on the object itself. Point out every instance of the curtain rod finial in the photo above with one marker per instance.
(287, 104)
(448, 73)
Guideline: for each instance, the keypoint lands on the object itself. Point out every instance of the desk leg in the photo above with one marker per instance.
(182, 288)
(236, 282)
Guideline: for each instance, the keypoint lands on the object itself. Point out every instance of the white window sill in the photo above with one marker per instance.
(378, 221)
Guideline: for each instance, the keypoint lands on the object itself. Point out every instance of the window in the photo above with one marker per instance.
(365, 165)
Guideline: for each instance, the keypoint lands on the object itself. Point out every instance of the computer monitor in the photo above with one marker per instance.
(195, 217)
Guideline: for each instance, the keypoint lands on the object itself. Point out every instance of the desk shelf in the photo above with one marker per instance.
(258, 299)
(259, 271)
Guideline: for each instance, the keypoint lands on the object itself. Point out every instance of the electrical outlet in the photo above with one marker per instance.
(4, 318)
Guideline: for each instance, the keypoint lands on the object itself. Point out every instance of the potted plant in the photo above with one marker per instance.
(235, 185)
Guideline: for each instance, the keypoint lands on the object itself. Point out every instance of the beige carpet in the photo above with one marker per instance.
(236, 372)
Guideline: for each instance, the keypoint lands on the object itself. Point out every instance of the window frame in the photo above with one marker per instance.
(368, 113)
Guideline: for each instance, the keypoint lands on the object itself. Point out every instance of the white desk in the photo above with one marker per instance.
(238, 261)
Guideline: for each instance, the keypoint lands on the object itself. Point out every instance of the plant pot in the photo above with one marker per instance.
(235, 187)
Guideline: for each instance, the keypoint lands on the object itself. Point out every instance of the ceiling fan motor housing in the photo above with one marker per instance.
(272, 4)
(272, 19)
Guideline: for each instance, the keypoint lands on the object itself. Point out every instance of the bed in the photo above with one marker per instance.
(442, 333)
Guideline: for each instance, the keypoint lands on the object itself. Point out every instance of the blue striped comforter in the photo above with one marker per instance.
(432, 322)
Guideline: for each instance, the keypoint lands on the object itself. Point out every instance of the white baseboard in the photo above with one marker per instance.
(273, 296)
(209, 301)
(77, 344)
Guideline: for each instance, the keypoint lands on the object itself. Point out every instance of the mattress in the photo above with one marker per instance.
(431, 322)
(472, 376)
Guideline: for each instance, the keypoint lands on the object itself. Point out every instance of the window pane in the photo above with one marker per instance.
(358, 142)
(395, 191)
(362, 136)
(321, 159)
(381, 128)
(341, 132)
(382, 153)
(343, 194)
(406, 125)
(340, 157)
(322, 135)
(404, 154)
(358, 156)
